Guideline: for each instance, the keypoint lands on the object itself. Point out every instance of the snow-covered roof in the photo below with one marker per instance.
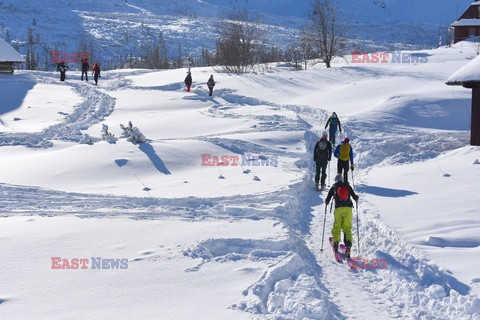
(469, 73)
(466, 23)
(8, 54)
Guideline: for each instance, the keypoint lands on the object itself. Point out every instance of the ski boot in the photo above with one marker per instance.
(317, 186)
(348, 246)
(347, 252)
(335, 247)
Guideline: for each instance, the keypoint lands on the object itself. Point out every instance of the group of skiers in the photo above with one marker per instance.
(85, 68)
(322, 154)
(96, 74)
(210, 83)
(341, 190)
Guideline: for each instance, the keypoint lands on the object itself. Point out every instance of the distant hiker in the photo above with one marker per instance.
(344, 153)
(322, 154)
(63, 69)
(334, 123)
(342, 192)
(85, 68)
(188, 81)
(96, 72)
(210, 85)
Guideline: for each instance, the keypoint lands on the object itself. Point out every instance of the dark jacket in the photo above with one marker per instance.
(188, 80)
(62, 67)
(338, 203)
(211, 83)
(85, 65)
(333, 122)
(327, 155)
(96, 69)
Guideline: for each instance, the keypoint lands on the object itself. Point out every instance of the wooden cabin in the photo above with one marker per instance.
(8, 56)
(469, 77)
(468, 25)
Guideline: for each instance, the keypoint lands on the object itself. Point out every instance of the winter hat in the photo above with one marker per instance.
(346, 140)
(339, 178)
(324, 134)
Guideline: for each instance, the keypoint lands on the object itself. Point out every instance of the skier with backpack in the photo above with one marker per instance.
(96, 72)
(210, 85)
(85, 68)
(344, 153)
(334, 124)
(322, 154)
(188, 81)
(63, 70)
(342, 192)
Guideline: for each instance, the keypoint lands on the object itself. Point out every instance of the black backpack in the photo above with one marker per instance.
(322, 149)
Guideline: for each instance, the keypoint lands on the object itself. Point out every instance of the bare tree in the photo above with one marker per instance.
(293, 57)
(327, 34)
(87, 46)
(449, 36)
(206, 58)
(177, 63)
(239, 35)
(31, 55)
(306, 46)
(7, 36)
(155, 55)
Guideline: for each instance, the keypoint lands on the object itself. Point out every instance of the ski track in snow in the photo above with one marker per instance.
(300, 282)
(95, 108)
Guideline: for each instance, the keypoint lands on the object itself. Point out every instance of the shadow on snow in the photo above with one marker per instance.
(152, 155)
(13, 91)
(384, 192)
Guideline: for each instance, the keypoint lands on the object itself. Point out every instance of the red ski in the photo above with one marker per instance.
(350, 262)
(337, 255)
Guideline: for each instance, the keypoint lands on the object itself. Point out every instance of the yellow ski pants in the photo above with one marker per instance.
(342, 222)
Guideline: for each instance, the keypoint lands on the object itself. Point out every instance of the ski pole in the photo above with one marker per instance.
(353, 181)
(358, 232)
(323, 232)
(329, 173)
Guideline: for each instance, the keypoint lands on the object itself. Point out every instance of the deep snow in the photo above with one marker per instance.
(238, 242)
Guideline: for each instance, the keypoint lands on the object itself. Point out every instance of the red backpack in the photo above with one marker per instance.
(342, 192)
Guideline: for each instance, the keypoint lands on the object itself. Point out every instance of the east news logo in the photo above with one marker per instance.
(93, 263)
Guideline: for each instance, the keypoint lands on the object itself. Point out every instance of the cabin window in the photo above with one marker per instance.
(472, 32)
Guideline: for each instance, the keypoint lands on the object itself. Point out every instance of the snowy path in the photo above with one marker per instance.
(410, 287)
(95, 108)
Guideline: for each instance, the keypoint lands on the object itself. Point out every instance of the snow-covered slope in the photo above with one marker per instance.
(237, 241)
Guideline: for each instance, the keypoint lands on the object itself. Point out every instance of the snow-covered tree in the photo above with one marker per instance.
(132, 133)
(107, 136)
